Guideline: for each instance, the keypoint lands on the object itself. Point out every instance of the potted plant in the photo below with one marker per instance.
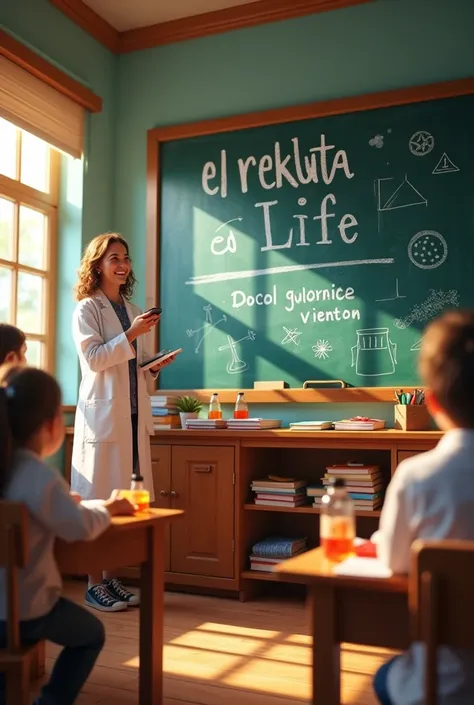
(189, 408)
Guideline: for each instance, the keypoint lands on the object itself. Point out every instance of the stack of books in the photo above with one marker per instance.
(255, 423)
(271, 551)
(364, 484)
(206, 423)
(359, 423)
(312, 426)
(164, 411)
(278, 493)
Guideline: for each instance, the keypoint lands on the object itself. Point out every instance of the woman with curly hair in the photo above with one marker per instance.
(113, 420)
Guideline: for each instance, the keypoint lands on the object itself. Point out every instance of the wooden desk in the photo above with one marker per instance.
(366, 611)
(137, 540)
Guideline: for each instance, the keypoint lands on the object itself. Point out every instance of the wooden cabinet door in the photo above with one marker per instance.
(161, 470)
(202, 483)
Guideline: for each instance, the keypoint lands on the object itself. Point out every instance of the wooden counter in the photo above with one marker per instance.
(208, 475)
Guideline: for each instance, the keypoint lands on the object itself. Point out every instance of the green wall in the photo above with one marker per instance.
(366, 48)
(87, 204)
(363, 49)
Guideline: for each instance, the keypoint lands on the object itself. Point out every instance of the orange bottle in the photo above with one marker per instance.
(139, 495)
(214, 408)
(337, 522)
(241, 410)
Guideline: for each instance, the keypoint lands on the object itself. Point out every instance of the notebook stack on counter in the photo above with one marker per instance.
(206, 423)
(255, 423)
(312, 426)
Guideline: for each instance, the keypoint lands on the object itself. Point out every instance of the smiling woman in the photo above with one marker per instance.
(113, 420)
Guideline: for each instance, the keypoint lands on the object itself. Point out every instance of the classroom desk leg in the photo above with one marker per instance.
(151, 619)
(326, 650)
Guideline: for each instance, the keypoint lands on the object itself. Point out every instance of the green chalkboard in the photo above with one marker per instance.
(317, 248)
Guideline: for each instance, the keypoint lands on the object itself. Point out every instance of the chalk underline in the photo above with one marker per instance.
(249, 273)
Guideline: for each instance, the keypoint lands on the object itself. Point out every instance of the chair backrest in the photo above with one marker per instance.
(441, 590)
(13, 555)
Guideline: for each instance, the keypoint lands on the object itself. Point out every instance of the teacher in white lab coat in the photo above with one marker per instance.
(113, 420)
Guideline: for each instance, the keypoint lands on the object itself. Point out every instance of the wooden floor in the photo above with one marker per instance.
(254, 653)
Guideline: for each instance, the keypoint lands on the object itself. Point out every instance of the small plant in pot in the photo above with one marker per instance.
(189, 408)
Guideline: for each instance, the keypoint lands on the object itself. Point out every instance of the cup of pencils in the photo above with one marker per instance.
(411, 413)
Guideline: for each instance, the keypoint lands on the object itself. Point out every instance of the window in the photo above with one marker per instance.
(29, 182)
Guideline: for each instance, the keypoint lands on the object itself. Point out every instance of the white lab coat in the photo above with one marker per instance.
(102, 448)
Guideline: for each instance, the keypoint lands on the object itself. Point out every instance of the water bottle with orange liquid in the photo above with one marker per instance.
(241, 410)
(337, 522)
(214, 407)
(139, 496)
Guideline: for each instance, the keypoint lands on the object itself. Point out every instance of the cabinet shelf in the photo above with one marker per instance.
(258, 575)
(307, 509)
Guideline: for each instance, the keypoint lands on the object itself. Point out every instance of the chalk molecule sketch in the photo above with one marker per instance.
(436, 301)
(427, 249)
(236, 364)
(376, 141)
(292, 336)
(205, 329)
(421, 143)
(445, 166)
(321, 349)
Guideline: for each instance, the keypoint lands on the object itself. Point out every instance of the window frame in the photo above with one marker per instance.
(47, 203)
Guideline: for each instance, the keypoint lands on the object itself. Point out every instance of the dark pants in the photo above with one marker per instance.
(135, 467)
(380, 683)
(83, 637)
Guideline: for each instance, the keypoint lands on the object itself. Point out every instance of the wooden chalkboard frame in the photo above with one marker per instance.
(160, 135)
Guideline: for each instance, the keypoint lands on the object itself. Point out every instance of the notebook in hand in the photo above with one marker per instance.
(159, 358)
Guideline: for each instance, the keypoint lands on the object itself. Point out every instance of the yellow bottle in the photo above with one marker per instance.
(140, 497)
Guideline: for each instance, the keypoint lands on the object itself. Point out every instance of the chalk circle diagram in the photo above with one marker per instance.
(421, 143)
(427, 249)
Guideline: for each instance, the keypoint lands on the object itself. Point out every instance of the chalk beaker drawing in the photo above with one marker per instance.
(374, 354)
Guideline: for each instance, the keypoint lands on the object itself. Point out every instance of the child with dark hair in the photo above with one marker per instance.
(12, 344)
(431, 496)
(31, 429)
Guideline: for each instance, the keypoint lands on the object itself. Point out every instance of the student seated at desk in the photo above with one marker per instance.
(431, 496)
(31, 429)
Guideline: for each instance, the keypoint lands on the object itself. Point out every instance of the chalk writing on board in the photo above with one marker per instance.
(292, 336)
(230, 242)
(205, 329)
(427, 249)
(374, 354)
(421, 143)
(293, 299)
(249, 273)
(431, 307)
(445, 165)
(393, 298)
(321, 349)
(416, 346)
(236, 364)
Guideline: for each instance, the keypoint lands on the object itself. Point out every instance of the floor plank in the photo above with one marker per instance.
(258, 652)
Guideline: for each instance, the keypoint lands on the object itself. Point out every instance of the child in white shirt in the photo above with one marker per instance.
(431, 496)
(31, 429)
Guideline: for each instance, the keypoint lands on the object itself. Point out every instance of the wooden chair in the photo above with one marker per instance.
(441, 589)
(15, 659)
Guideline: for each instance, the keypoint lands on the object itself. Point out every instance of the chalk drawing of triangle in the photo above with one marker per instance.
(416, 346)
(445, 166)
(404, 196)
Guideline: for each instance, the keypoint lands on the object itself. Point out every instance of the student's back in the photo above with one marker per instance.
(431, 496)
